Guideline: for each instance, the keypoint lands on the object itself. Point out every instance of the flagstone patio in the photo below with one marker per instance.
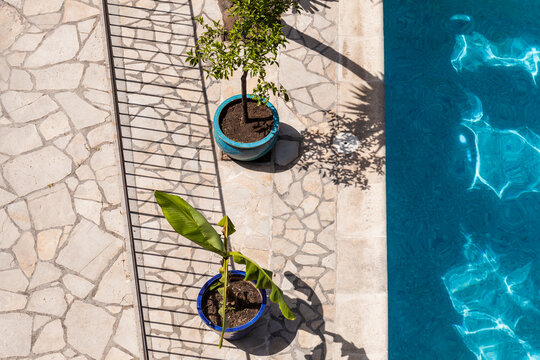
(313, 211)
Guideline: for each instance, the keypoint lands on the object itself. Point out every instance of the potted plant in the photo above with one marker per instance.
(245, 125)
(232, 301)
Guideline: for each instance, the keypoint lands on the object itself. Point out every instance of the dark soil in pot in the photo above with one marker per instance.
(241, 309)
(259, 124)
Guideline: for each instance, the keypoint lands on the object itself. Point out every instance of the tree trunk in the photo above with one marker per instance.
(244, 97)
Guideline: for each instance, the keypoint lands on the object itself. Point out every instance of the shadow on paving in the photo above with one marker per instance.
(309, 318)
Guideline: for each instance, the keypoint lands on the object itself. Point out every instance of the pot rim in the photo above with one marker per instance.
(250, 145)
(233, 329)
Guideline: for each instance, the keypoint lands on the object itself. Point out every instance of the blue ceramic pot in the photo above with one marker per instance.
(245, 151)
(236, 332)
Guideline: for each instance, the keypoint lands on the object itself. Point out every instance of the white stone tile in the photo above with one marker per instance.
(9, 231)
(115, 221)
(25, 107)
(49, 301)
(27, 42)
(17, 140)
(37, 169)
(95, 77)
(94, 47)
(81, 113)
(47, 242)
(16, 334)
(20, 80)
(126, 334)
(35, 7)
(60, 45)
(51, 207)
(77, 11)
(39, 321)
(7, 261)
(77, 285)
(51, 338)
(25, 253)
(6, 197)
(13, 280)
(101, 134)
(78, 149)
(82, 256)
(54, 125)
(11, 301)
(44, 273)
(89, 328)
(115, 286)
(59, 77)
(11, 25)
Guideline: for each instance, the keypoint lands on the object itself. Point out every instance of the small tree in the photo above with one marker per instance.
(250, 46)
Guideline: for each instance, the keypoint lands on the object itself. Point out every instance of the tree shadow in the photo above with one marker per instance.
(279, 333)
(312, 6)
(362, 129)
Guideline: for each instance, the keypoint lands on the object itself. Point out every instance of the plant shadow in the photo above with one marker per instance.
(276, 333)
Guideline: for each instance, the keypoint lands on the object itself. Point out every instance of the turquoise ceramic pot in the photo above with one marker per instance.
(245, 151)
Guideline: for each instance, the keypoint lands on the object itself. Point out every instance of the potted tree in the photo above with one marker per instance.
(232, 301)
(245, 125)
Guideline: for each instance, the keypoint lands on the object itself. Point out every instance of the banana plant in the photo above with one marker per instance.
(191, 224)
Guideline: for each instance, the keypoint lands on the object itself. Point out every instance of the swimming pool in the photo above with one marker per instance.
(463, 179)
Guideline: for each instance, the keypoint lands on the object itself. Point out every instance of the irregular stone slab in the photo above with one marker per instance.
(117, 354)
(59, 77)
(47, 241)
(15, 334)
(95, 77)
(89, 191)
(11, 25)
(37, 169)
(114, 221)
(126, 334)
(19, 140)
(286, 152)
(44, 273)
(89, 328)
(46, 21)
(51, 208)
(56, 124)
(93, 49)
(50, 339)
(6, 261)
(76, 11)
(115, 287)
(48, 301)
(9, 231)
(104, 163)
(19, 214)
(81, 113)
(77, 285)
(27, 42)
(25, 253)
(37, 7)
(296, 74)
(20, 80)
(89, 258)
(25, 107)
(89, 209)
(13, 280)
(60, 45)
(9, 302)
(6, 197)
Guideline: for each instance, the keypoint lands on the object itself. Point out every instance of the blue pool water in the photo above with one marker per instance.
(463, 178)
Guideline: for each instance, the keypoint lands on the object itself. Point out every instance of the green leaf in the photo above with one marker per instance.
(264, 281)
(189, 223)
(227, 225)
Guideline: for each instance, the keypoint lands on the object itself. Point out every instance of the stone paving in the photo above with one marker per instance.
(65, 285)
(313, 211)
